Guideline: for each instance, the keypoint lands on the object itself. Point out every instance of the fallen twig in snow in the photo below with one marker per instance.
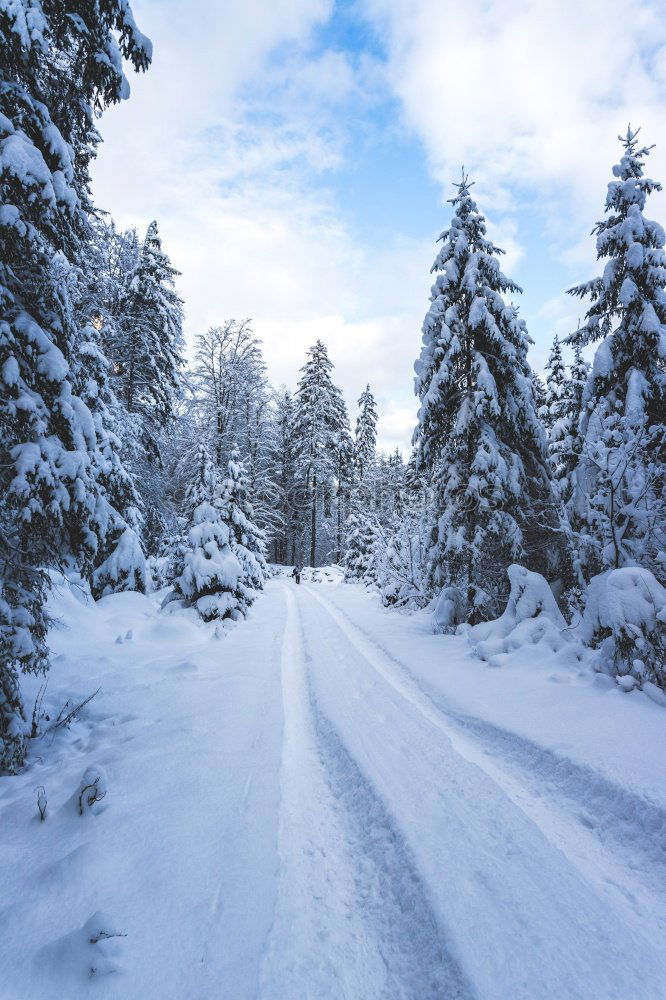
(64, 720)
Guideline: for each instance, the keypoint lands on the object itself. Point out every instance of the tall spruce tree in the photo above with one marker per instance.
(359, 557)
(320, 434)
(344, 478)
(248, 541)
(119, 562)
(57, 73)
(283, 460)
(365, 442)
(478, 429)
(621, 482)
(360, 523)
(147, 352)
(555, 401)
(565, 441)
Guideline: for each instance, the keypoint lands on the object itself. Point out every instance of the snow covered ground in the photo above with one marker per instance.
(331, 801)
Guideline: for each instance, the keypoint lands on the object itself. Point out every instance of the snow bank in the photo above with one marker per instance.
(622, 633)
(148, 797)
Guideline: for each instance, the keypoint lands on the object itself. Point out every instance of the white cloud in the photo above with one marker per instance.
(528, 93)
(224, 145)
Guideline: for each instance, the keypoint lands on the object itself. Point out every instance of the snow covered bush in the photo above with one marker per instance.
(99, 945)
(401, 563)
(359, 557)
(210, 575)
(124, 569)
(23, 626)
(531, 617)
(449, 610)
(625, 622)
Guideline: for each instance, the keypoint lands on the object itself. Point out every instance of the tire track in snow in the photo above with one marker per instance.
(493, 874)
(352, 920)
(622, 821)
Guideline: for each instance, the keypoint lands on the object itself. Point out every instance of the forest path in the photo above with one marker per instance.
(413, 866)
(330, 802)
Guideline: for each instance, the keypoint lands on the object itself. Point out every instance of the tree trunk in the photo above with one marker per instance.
(129, 393)
(313, 524)
(219, 427)
(338, 556)
(469, 515)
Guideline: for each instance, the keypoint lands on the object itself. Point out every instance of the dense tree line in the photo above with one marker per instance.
(68, 499)
(567, 477)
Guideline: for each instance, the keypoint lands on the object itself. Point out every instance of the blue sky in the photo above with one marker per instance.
(298, 156)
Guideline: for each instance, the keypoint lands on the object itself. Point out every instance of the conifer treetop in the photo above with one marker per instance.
(366, 432)
(631, 287)
(467, 307)
(628, 300)
(465, 243)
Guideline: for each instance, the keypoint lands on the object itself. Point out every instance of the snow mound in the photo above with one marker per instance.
(86, 952)
(531, 618)
(92, 788)
(449, 610)
(625, 622)
(332, 575)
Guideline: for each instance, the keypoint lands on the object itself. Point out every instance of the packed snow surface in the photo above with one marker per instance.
(329, 801)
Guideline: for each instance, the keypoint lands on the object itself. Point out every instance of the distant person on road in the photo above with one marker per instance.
(296, 573)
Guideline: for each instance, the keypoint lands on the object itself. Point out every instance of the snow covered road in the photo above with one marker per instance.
(300, 811)
(520, 917)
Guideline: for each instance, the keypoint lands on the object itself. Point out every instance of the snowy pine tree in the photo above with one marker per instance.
(539, 390)
(283, 461)
(56, 73)
(147, 351)
(621, 485)
(209, 576)
(360, 525)
(360, 540)
(554, 405)
(248, 541)
(365, 442)
(387, 487)
(478, 430)
(321, 436)
(119, 562)
(565, 441)
(343, 479)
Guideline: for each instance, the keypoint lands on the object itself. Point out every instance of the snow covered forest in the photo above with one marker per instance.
(158, 493)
